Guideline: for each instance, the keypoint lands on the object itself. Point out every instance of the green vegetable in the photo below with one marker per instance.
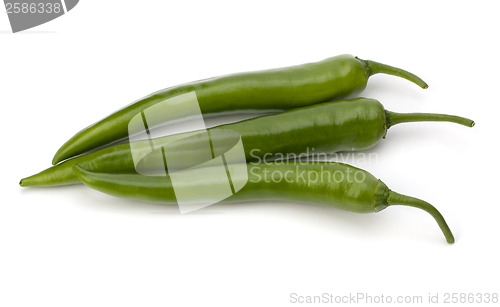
(347, 125)
(276, 89)
(333, 184)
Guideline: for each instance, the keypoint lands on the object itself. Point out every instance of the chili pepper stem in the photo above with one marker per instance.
(403, 200)
(376, 68)
(393, 118)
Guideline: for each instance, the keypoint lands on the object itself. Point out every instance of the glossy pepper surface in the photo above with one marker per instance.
(345, 125)
(275, 89)
(334, 184)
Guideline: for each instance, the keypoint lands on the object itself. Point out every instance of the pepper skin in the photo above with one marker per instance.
(275, 89)
(344, 186)
(346, 125)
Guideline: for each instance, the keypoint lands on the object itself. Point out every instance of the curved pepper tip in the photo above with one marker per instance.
(26, 182)
(77, 169)
(56, 159)
(79, 172)
(61, 155)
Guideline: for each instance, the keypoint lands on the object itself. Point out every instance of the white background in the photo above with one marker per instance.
(73, 246)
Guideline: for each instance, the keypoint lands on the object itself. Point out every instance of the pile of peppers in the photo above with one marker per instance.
(251, 160)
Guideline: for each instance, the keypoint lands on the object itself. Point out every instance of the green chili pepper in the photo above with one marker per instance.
(276, 89)
(346, 125)
(335, 184)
